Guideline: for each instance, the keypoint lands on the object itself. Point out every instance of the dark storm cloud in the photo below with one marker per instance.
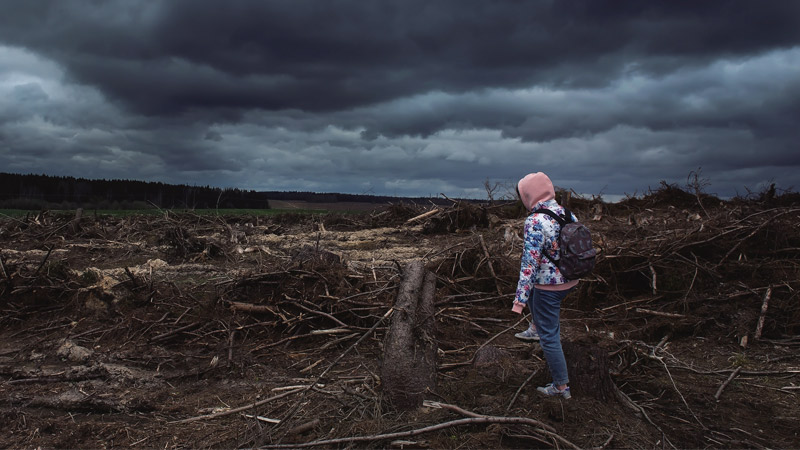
(322, 56)
(406, 97)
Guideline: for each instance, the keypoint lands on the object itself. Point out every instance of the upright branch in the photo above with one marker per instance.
(763, 315)
(698, 184)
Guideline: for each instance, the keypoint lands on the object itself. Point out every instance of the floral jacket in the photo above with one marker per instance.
(541, 232)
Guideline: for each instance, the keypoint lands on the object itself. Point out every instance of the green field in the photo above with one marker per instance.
(159, 212)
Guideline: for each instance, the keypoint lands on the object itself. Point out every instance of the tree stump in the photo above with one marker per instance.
(588, 369)
(408, 368)
(75, 224)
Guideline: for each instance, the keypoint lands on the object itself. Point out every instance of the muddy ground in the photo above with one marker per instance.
(189, 331)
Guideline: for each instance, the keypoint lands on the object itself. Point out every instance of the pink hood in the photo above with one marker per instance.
(535, 188)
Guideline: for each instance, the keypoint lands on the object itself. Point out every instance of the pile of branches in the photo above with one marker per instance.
(313, 291)
(690, 264)
(33, 287)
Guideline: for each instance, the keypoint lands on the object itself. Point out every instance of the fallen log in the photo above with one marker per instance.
(408, 367)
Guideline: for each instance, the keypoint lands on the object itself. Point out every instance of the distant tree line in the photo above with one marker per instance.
(19, 191)
(317, 197)
(30, 191)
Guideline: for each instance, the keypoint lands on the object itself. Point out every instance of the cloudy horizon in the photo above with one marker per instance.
(403, 98)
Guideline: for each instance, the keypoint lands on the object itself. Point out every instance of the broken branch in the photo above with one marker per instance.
(489, 263)
(422, 216)
(659, 313)
(428, 429)
(764, 306)
(727, 382)
(240, 409)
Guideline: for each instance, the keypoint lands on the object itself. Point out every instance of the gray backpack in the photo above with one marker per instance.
(575, 244)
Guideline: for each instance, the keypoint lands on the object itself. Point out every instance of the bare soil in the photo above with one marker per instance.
(188, 331)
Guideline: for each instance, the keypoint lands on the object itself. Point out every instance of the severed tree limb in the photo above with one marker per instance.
(300, 336)
(302, 428)
(623, 397)
(422, 216)
(764, 306)
(642, 300)
(489, 263)
(464, 412)
(743, 372)
(46, 257)
(364, 336)
(608, 441)
(543, 428)
(250, 307)
(428, 429)
(261, 418)
(522, 386)
(466, 363)
(131, 276)
(659, 313)
(241, 408)
(661, 343)
(540, 439)
(3, 269)
(321, 313)
(680, 394)
(448, 198)
(727, 382)
(231, 338)
(168, 334)
(454, 408)
(653, 272)
(691, 285)
(500, 334)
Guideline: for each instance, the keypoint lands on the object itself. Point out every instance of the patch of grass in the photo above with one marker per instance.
(252, 212)
(15, 212)
(739, 360)
(156, 212)
(89, 277)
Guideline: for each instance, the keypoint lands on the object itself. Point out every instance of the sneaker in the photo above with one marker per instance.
(528, 335)
(552, 391)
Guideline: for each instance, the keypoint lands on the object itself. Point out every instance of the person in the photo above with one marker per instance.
(541, 285)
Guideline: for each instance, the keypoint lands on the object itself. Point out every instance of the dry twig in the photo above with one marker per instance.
(242, 408)
(727, 382)
(522, 386)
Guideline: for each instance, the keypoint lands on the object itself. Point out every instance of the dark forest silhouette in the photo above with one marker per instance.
(30, 191)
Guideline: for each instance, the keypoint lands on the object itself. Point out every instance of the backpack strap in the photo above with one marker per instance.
(562, 220)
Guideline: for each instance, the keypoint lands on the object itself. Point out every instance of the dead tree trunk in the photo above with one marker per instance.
(408, 369)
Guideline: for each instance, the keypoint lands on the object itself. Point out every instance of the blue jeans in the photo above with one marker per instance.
(546, 308)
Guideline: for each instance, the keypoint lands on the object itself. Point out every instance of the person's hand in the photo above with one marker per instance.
(518, 307)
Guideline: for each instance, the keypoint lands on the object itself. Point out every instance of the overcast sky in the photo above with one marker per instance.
(407, 97)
